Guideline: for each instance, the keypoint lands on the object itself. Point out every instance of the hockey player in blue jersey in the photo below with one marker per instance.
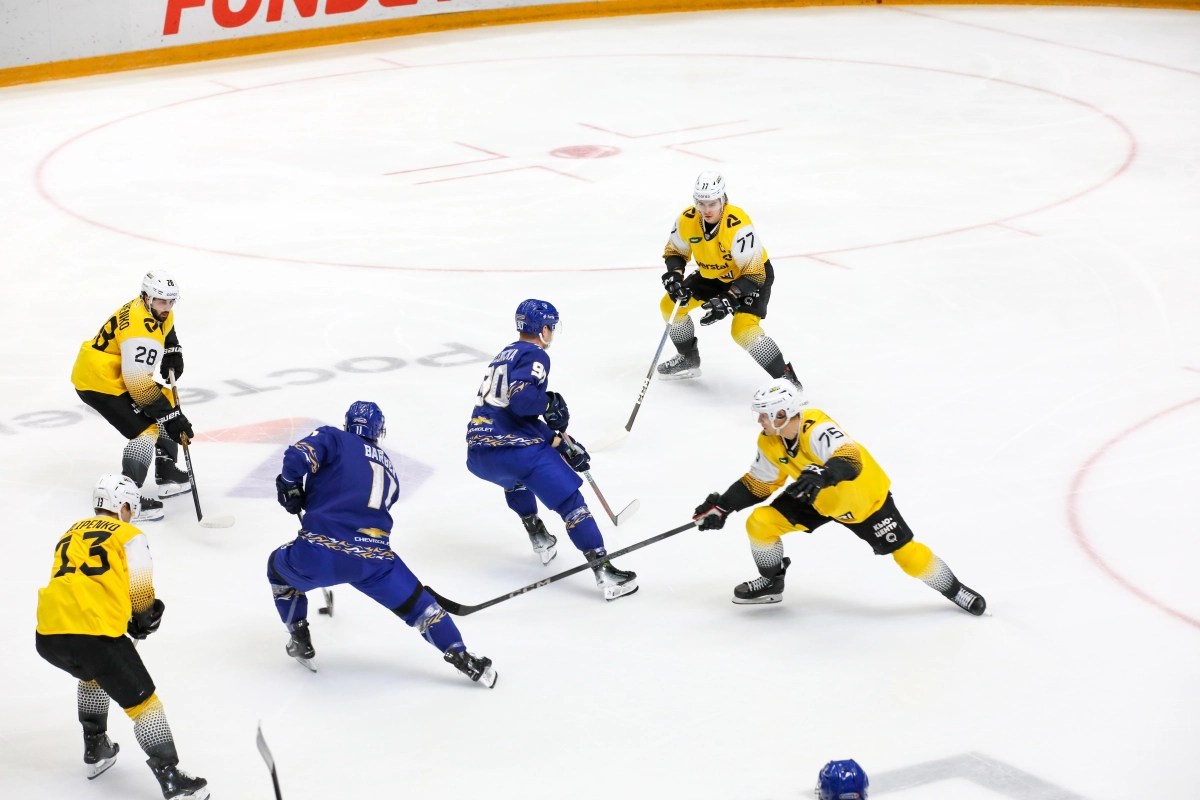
(517, 439)
(343, 486)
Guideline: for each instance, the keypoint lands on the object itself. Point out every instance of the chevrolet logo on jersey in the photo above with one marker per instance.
(480, 421)
(376, 532)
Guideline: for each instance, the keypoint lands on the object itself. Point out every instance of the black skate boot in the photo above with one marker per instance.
(545, 545)
(99, 753)
(152, 511)
(300, 646)
(767, 588)
(170, 478)
(966, 598)
(477, 669)
(684, 365)
(790, 374)
(614, 582)
(176, 783)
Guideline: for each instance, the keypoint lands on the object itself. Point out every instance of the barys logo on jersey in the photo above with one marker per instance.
(481, 421)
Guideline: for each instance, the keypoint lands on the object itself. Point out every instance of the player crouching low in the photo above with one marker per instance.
(343, 485)
(517, 439)
(835, 479)
(101, 587)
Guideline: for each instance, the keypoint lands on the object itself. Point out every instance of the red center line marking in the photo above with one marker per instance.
(659, 133)
(1017, 230)
(393, 63)
(495, 157)
(226, 85)
(1047, 41)
(1192, 369)
(679, 147)
(502, 171)
(822, 260)
(1081, 535)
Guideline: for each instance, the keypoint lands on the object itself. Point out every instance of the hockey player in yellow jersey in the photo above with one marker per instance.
(835, 479)
(102, 588)
(114, 374)
(733, 277)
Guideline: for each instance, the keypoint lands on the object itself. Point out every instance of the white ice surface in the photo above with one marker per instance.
(984, 229)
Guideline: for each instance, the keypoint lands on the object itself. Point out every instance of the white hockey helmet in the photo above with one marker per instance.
(776, 396)
(160, 284)
(114, 491)
(709, 186)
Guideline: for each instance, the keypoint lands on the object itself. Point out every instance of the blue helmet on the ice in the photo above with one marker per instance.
(366, 420)
(533, 315)
(842, 780)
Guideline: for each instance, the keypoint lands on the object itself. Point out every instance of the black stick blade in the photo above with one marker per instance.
(454, 608)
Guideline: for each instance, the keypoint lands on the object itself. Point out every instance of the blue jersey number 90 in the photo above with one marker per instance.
(494, 389)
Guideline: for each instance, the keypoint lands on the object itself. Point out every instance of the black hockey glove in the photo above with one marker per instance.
(290, 495)
(172, 359)
(718, 308)
(146, 622)
(813, 478)
(177, 425)
(574, 454)
(709, 515)
(672, 281)
(556, 414)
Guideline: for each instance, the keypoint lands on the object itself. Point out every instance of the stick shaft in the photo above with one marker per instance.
(187, 454)
(460, 610)
(650, 375)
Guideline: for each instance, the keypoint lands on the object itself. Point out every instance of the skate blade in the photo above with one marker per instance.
(547, 555)
(489, 678)
(173, 490)
(153, 516)
(306, 663)
(100, 767)
(759, 601)
(617, 592)
(680, 376)
(217, 522)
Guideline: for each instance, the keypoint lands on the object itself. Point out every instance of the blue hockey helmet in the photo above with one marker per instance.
(533, 315)
(842, 780)
(366, 420)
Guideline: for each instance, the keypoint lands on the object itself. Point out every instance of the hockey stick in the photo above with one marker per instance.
(327, 609)
(627, 512)
(265, 752)
(621, 434)
(213, 522)
(459, 610)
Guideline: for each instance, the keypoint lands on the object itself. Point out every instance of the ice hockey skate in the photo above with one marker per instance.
(614, 582)
(790, 374)
(300, 646)
(545, 544)
(684, 365)
(151, 511)
(99, 753)
(170, 478)
(763, 589)
(175, 782)
(474, 667)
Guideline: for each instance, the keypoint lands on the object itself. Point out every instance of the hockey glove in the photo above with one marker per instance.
(144, 623)
(718, 308)
(709, 514)
(672, 281)
(813, 478)
(172, 359)
(574, 454)
(177, 425)
(556, 414)
(290, 495)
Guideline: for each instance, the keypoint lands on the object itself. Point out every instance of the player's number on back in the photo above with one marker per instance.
(379, 482)
(494, 389)
(96, 551)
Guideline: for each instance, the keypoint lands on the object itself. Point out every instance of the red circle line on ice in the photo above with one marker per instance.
(585, 151)
(40, 171)
(1077, 528)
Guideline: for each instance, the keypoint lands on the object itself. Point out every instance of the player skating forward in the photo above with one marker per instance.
(835, 479)
(114, 374)
(101, 587)
(734, 276)
(343, 485)
(516, 439)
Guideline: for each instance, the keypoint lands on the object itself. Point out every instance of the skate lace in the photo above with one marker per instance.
(758, 584)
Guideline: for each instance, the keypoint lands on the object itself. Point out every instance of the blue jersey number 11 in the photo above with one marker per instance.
(379, 481)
